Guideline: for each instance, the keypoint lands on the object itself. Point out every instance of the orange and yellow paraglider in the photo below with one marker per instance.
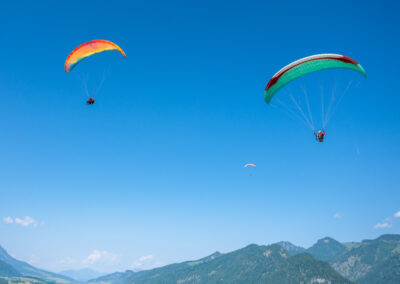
(87, 49)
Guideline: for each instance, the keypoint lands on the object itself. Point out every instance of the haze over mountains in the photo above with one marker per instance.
(82, 275)
(327, 261)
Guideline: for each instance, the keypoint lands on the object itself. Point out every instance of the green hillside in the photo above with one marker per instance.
(291, 248)
(373, 261)
(23, 280)
(7, 270)
(327, 249)
(26, 269)
(252, 264)
(388, 272)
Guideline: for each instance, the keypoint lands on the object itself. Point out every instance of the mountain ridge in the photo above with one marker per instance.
(251, 264)
(26, 269)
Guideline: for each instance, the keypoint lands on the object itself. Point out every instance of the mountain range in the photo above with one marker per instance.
(327, 261)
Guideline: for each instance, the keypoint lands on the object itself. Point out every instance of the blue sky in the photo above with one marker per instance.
(153, 172)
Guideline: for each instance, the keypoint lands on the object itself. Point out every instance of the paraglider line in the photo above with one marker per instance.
(335, 106)
(101, 83)
(290, 112)
(308, 107)
(84, 80)
(302, 112)
(322, 106)
(331, 102)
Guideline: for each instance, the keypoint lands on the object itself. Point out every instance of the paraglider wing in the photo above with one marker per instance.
(308, 65)
(87, 49)
(252, 165)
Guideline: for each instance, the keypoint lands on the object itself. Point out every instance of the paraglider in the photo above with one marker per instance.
(88, 49)
(90, 101)
(252, 165)
(306, 66)
(320, 135)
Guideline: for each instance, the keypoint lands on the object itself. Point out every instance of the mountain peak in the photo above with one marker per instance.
(291, 248)
(389, 237)
(327, 249)
(327, 240)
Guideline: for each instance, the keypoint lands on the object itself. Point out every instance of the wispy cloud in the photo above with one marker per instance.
(8, 220)
(337, 215)
(146, 257)
(146, 262)
(98, 256)
(385, 225)
(397, 214)
(24, 222)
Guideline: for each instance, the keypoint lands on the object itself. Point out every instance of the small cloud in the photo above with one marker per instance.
(397, 214)
(8, 220)
(383, 226)
(26, 221)
(146, 262)
(337, 216)
(101, 257)
(146, 257)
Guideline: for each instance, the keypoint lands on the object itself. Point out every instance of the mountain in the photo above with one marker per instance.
(291, 248)
(253, 264)
(7, 270)
(116, 277)
(387, 272)
(26, 269)
(82, 275)
(373, 261)
(327, 249)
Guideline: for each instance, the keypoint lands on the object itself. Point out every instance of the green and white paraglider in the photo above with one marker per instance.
(306, 66)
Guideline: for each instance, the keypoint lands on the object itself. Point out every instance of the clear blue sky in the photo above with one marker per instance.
(155, 167)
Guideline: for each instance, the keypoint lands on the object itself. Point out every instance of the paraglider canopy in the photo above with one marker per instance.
(308, 65)
(87, 49)
(251, 165)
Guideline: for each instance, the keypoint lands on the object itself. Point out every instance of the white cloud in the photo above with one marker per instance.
(146, 257)
(104, 257)
(26, 221)
(337, 216)
(383, 226)
(397, 214)
(145, 262)
(8, 220)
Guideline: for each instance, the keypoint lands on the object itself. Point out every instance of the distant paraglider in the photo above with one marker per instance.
(306, 66)
(85, 50)
(251, 165)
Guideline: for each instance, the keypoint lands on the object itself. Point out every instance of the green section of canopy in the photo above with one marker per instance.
(306, 68)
